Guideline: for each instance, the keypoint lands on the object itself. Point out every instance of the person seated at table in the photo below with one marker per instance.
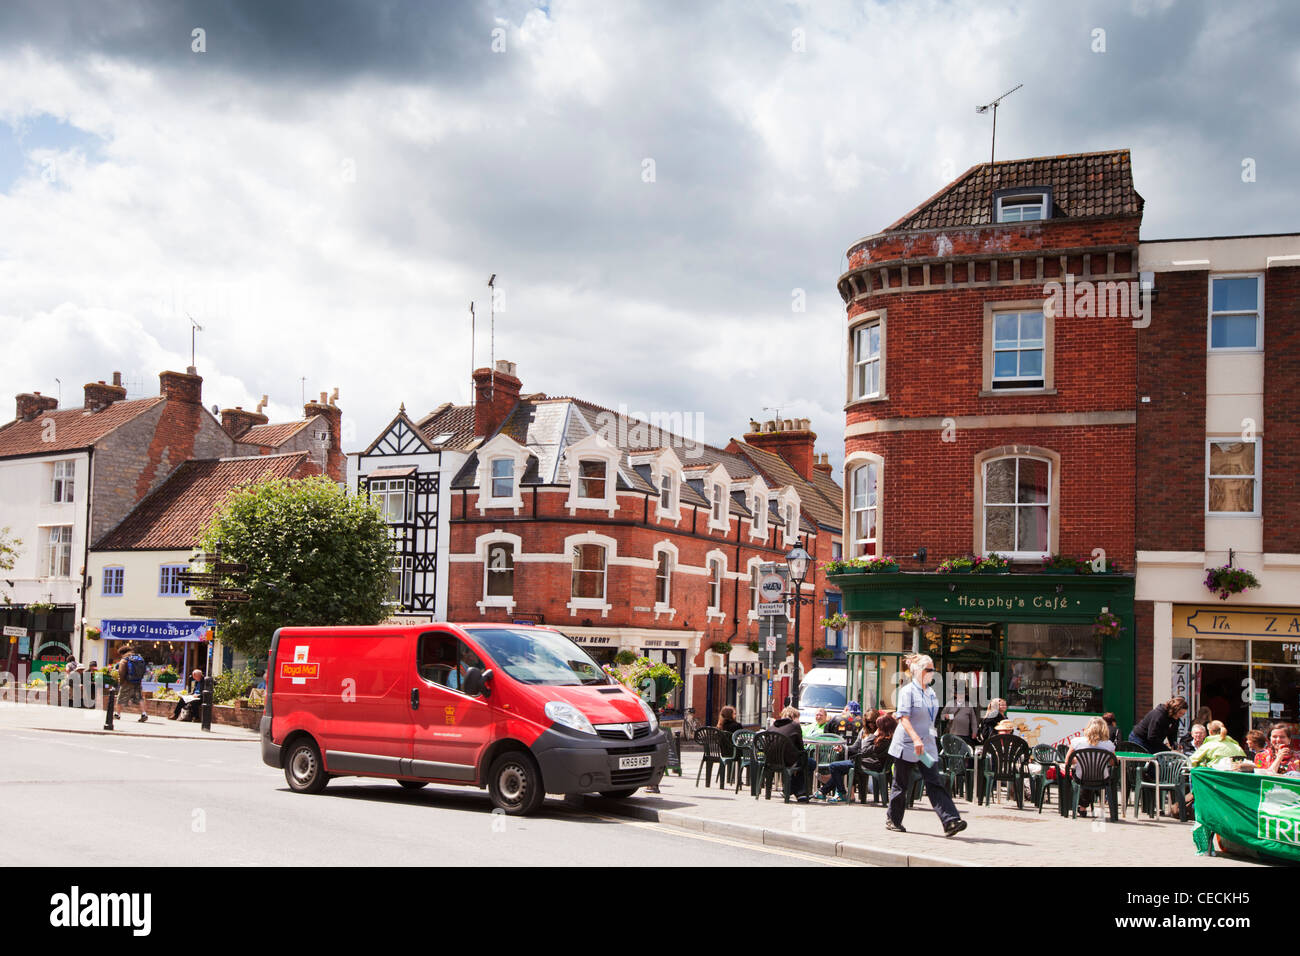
(1278, 756)
(1095, 734)
(1192, 741)
(1203, 717)
(1256, 743)
(819, 723)
(1158, 730)
(849, 722)
(1216, 745)
(1112, 726)
(728, 724)
(872, 749)
(994, 715)
(788, 725)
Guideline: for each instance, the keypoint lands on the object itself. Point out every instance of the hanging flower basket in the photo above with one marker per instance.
(836, 622)
(916, 616)
(721, 647)
(822, 653)
(92, 632)
(41, 607)
(1107, 625)
(1227, 581)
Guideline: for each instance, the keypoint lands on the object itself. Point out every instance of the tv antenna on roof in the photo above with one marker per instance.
(492, 339)
(994, 106)
(195, 328)
(774, 408)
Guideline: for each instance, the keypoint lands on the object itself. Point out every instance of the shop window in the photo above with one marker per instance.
(1232, 478)
(1054, 668)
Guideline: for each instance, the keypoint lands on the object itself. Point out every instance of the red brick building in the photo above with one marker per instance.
(991, 409)
(630, 535)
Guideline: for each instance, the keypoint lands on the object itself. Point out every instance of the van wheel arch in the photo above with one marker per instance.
(292, 739)
(496, 749)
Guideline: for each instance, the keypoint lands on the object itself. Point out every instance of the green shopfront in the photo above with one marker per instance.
(1028, 638)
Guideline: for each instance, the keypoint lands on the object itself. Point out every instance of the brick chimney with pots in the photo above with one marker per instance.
(184, 386)
(792, 439)
(495, 396)
(335, 463)
(822, 463)
(31, 404)
(100, 395)
(236, 421)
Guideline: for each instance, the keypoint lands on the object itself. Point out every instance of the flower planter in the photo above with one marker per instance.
(892, 569)
(854, 570)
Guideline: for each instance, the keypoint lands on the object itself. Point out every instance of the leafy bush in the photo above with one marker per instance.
(167, 676)
(230, 685)
(623, 658)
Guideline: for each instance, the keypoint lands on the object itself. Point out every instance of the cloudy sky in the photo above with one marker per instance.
(658, 186)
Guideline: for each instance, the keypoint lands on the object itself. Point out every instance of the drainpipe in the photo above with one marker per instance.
(79, 623)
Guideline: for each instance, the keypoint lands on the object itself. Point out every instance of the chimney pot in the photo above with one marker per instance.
(100, 395)
(117, 378)
(29, 405)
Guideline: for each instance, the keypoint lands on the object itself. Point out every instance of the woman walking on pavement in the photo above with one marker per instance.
(915, 749)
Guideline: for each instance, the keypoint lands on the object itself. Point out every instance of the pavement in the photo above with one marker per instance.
(997, 835)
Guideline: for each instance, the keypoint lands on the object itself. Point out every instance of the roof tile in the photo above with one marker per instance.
(73, 427)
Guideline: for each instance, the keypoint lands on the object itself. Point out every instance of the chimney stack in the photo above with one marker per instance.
(99, 395)
(495, 396)
(236, 421)
(335, 463)
(792, 439)
(31, 404)
(183, 387)
(823, 464)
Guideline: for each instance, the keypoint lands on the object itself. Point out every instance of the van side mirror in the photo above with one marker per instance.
(473, 684)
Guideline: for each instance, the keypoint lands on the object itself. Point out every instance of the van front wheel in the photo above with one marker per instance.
(618, 794)
(303, 768)
(515, 783)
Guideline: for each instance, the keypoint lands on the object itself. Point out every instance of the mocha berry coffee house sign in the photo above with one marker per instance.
(1034, 639)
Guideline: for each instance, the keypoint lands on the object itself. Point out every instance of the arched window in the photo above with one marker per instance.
(864, 522)
(663, 578)
(715, 584)
(1018, 506)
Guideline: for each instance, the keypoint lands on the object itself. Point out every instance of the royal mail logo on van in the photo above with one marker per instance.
(300, 669)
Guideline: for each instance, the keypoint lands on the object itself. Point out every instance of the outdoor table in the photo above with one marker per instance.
(1124, 760)
(1259, 812)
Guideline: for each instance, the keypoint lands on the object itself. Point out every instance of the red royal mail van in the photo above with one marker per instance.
(520, 710)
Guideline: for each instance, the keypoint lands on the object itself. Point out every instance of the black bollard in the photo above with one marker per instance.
(110, 699)
(206, 700)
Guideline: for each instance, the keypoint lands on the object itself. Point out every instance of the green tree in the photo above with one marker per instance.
(8, 554)
(315, 556)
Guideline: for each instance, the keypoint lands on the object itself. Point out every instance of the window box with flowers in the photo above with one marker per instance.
(41, 607)
(1227, 581)
(992, 563)
(958, 565)
(1059, 564)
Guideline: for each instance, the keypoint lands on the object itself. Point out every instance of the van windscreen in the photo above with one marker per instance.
(830, 696)
(538, 657)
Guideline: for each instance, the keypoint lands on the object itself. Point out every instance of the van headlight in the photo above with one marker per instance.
(649, 715)
(565, 714)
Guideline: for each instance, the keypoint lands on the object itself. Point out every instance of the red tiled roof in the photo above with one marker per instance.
(457, 419)
(272, 436)
(174, 516)
(1083, 184)
(778, 472)
(73, 428)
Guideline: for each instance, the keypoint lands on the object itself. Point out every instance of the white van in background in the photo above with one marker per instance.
(823, 688)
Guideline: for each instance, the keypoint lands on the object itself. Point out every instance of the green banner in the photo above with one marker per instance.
(1256, 811)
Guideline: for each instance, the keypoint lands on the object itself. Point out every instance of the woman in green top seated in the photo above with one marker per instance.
(1217, 746)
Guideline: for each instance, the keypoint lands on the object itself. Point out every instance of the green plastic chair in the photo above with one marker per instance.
(716, 744)
(957, 762)
(860, 776)
(1170, 775)
(1045, 755)
(1006, 760)
(1095, 770)
(774, 755)
(743, 743)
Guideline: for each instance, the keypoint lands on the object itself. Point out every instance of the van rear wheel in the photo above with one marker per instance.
(515, 783)
(303, 768)
(413, 784)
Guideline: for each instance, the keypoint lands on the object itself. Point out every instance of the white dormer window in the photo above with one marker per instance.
(665, 492)
(503, 477)
(593, 475)
(591, 479)
(501, 464)
(718, 488)
(1023, 205)
(666, 478)
(788, 509)
(760, 513)
(789, 521)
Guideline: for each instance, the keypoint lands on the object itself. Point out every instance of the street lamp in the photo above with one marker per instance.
(797, 563)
